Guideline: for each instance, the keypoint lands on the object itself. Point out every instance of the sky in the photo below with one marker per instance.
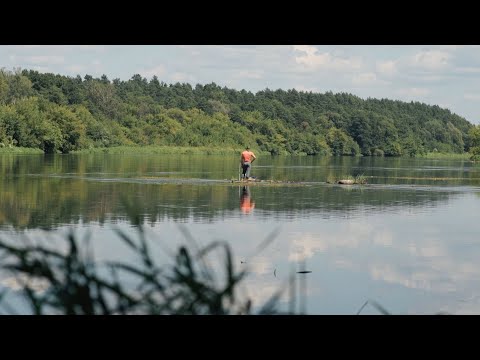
(443, 75)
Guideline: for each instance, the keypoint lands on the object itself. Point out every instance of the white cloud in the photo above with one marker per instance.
(97, 65)
(260, 265)
(43, 59)
(234, 50)
(364, 79)
(430, 249)
(430, 278)
(388, 68)
(445, 105)
(468, 70)
(305, 247)
(414, 91)
(343, 264)
(158, 70)
(181, 77)
(469, 306)
(451, 47)
(309, 50)
(431, 59)
(42, 69)
(471, 96)
(431, 78)
(25, 47)
(305, 89)
(75, 68)
(384, 238)
(249, 74)
(37, 59)
(418, 280)
(260, 291)
(100, 48)
(312, 59)
(457, 47)
(193, 50)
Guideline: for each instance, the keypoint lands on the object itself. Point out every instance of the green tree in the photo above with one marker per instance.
(72, 129)
(4, 87)
(340, 143)
(474, 136)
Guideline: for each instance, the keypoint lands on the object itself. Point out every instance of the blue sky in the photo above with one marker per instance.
(444, 75)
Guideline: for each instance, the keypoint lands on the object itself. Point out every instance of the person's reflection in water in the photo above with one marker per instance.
(246, 202)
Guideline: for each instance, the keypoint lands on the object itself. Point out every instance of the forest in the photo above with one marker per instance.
(62, 114)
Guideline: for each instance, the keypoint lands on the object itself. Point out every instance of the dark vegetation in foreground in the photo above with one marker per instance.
(72, 282)
(56, 113)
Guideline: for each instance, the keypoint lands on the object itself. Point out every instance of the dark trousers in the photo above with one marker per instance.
(246, 166)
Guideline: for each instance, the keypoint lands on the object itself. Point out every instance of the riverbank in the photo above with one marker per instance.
(445, 156)
(170, 150)
(19, 150)
(185, 150)
(152, 149)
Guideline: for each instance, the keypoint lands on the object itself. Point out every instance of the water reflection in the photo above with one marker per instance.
(410, 262)
(51, 191)
(410, 244)
(246, 202)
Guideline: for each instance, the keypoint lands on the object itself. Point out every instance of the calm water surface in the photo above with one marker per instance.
(408, 240)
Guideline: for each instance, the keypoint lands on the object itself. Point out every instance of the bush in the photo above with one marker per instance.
(72, 283)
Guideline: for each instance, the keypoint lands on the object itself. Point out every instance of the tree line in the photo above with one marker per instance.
(57, 113)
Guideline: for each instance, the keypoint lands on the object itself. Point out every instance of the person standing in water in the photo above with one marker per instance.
(246, 160)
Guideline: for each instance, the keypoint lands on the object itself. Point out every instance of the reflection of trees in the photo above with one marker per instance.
(44, 191)
(338, 201)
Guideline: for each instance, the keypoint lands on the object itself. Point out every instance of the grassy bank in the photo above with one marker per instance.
(19, 150)
(445, 156)
(165, 150)
(186, 150)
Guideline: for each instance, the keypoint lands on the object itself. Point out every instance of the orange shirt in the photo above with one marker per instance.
(247, 156)
(247, 205)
